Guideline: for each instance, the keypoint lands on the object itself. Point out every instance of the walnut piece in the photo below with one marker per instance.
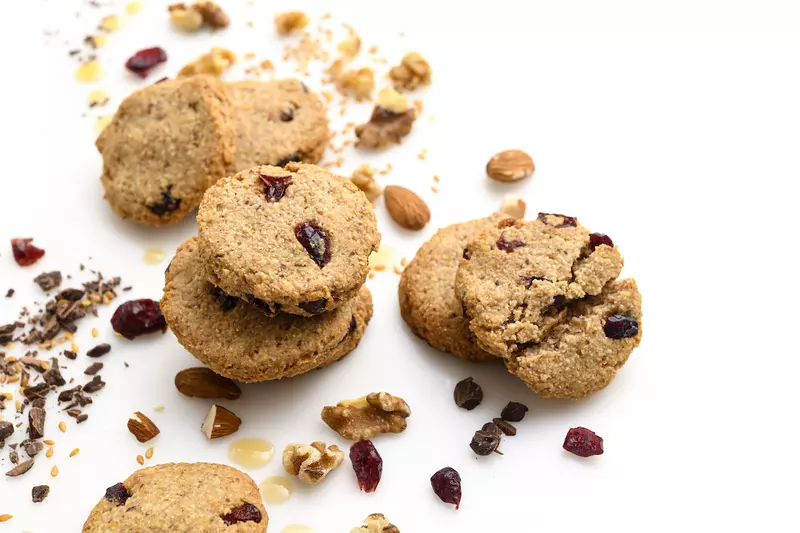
(362, 419)
(376, 523)
(213, 15)
(412, 72)
(385, 128)
(214, 63)
(513, 207)
(392, 100)
(185, 18)
(364, 178)
(356, 83)
(311, 462)
(350, 46)
(290, 22)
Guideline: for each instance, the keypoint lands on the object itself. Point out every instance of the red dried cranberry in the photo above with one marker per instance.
(226, 301)
(367, 463)
(142, 61)
(316, 307)
(567, 221)
(596, 239)
(25, 254)
(620, 326)
(315, 241)
(244, 513)
(168, 203)
(446, 484)
(295, 157)
(275, 186)
(287, 115)
(137, 317)
(117, 494)
(583, 442)
(508, 246)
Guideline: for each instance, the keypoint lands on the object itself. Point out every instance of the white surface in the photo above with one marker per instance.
(671, 127)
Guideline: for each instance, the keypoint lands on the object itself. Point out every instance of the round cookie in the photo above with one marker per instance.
(238, 341)
(166, 144)
(578, 357)
(514, 280)
(198, 497)
(427, 294)
(276, 122)
(297, 239)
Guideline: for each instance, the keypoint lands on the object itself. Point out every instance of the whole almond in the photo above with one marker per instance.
(142, 427)
(511, 165)
(220, 422)
(406, 208)
(200, 382)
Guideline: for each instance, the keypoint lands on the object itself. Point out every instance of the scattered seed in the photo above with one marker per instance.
(74, 452)
(140, 459)
(50, 451)
(62, 426)
(95, 333)
(149, 453)
(54, 471)
(5, 517)
(49, 442)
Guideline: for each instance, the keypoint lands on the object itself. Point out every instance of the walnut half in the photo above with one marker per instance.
(385, 128)
(361, 419)
(376, 523)
(311, 462)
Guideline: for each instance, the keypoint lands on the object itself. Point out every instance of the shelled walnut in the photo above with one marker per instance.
(214, 63)
(412, 72)
(376, 523)
(364, 178)
(311, 462)
(363, 418)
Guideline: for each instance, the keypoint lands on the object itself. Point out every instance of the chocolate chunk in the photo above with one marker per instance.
(93, 369)
(32, 447)
(39, 390)
(514, 412)
(48, 280)
(6, 429)
(20, 468)
(69, 354)
(39, 493)
(505, 427)
(53, 375)
(468, 394)
(99, 350)
(95, 385)
(36, 417)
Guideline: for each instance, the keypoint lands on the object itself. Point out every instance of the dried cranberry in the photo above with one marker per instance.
(508, 246)
(566, 221)
(25, 254)
(168, 203)
(316, 307)
(368, 465)
(244, 513)
(315, 241)
(287, 115)
(266, 308)
(446, 484)
(137, 317)
(583, 442)
(513, 412)
(620, 326)
(142, 61)
(468, 394)
(226, 301)
(295, 157)
(117, 494)
(275, 186)
(596, 239)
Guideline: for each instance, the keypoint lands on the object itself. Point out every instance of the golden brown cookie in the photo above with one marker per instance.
(582, 354)
(296, 239)
(428, 300)
(276, 122)
(238, 341)
(168, 498)
(166, 144)
(514, 280)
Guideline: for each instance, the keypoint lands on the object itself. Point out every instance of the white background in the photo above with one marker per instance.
(671, 126)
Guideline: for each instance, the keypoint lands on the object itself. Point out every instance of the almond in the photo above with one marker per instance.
(142, 427)
(511, 165)
(513, 207)
(200, 382)
(406, 208)
(220, 422)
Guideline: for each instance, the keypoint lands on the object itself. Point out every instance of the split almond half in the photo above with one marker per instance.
(142, 427)
(510, 165)
(201, 382)
(220, 422)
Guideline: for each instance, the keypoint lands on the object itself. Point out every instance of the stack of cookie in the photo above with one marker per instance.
(541, 295)
(272, 287)
(169, 142)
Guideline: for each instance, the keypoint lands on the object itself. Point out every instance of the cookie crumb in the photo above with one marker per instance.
(290, 22)
(513, 207)
(356, 83)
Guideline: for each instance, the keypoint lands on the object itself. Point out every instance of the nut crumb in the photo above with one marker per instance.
(185, 18)
(385, 128)
(214, 63)
(356, 83)
(311, 463)
(392, 100)
(376, 523)
(212, 14)
(412, 72)
(513, 206)
(290, 22)
(363, 418)
(364, 178)
(350, 46)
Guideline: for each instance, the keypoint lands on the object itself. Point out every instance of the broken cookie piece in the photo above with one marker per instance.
(364, 418)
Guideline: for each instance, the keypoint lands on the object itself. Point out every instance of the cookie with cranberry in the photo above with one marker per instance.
(428, 301)
(514, 279)
(237, 340)
(196, 497)
(295, 239)
(276, 122)
(582, 354)
(166, 144)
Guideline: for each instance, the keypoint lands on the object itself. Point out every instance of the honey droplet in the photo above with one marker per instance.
(133, 8)
(294, 528)
(153, 256)
(251, 453)
(97, 98)
(89, 72)
(110, 23)
(276, 489)
(381, 259)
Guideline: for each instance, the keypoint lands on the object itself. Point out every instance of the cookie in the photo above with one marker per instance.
(276, 122)
(514, 279)
(583, 353)
(168, 498)
(296, 239)
(166, 144)
(427, 294)
(238, 341)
